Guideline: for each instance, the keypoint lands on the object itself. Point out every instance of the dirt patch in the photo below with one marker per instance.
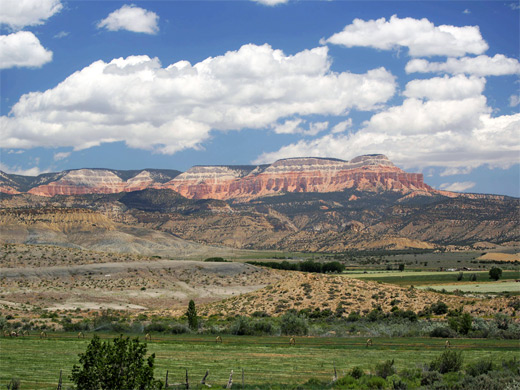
(498, 256)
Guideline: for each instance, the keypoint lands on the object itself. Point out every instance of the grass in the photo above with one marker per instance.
(407, 278)
(478, 287)
(266, 360)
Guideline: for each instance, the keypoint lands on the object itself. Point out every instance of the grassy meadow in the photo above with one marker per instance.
(265, 360)
(418, 278)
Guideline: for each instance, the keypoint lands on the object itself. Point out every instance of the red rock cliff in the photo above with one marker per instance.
(369, 173)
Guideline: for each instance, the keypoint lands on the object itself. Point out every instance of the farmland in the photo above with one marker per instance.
(429, 278)
(265, 360)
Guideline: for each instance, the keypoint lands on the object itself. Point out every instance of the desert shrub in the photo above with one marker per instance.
(374, 382)
(346, 382)
(356, 372)
(260, 314)
(292, 324)
(430, 377)
(385, 369)
(353, 316)
(439, 308)
(460, 276)
(158, 327)
(242, 327)
(473, 277)
(406, 314)
(502, 321)
(179, 329)
(448, 361)
(480, 367)
(443, 332)
(264, 327)
(460, 322)
(375, 315)
(515, 304)
(397, 383)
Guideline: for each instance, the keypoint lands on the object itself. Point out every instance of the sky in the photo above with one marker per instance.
(434, 85)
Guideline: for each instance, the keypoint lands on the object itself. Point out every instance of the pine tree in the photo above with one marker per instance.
(193, 321)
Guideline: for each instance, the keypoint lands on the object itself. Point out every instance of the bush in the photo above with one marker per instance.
(155, 327)
(310, 266)
(473, 277)
(375, 382)
(448, 361)
(333, 267)
(117, 365)
(480, 367)
(356, 372)
(179, 329)
(216, 260)
(430, 377)
(495, 273)
(385, 369)
(353, 316)
(443, 332)
(347, 382)
(439, 308)
(461, 323)
(293, 325)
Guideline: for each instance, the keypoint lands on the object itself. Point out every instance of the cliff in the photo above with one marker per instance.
(372, 173)
(367, 173)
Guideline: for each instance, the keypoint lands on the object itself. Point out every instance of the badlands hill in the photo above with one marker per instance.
(301, 204)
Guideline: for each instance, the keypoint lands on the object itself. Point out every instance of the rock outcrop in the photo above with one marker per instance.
(366, 173)
(369, 173)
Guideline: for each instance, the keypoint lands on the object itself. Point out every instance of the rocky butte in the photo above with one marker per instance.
(372, 173)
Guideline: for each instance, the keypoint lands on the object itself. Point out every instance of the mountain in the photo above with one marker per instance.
(85, 181)
(366, 173)
(298, 204)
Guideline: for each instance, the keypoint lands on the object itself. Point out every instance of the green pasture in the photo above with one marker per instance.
(497, 287)
(265, 360)
(407, 278)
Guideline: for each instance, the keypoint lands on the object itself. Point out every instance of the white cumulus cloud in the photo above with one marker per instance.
(17, 170)
(131, 18)
(445, 88)
(514, 100)
(18, 14)
(421, 37)
(22, 49)
(61, 156)
(432, 127)
(167, 109)
(483, 65)
(457, 186)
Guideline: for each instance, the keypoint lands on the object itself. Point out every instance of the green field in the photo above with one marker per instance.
(407, 278)
(265, 360)
(479, 287)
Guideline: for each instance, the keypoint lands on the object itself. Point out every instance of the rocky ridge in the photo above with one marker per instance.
(365, 173)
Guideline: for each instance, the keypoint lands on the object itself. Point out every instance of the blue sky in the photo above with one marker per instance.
(172, 84)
